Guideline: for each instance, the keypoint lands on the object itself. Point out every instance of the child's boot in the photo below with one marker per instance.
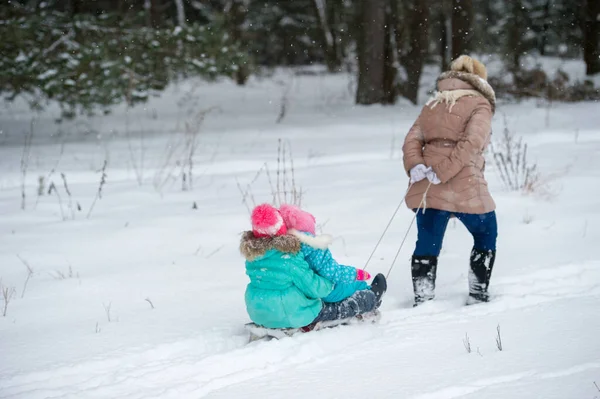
(379, 287)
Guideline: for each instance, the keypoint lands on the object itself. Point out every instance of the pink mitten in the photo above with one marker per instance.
(362, 275)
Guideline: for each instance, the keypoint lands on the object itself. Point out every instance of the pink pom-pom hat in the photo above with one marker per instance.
(267, 222)
(297, 219)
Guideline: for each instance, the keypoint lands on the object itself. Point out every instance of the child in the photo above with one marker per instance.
(346, 279)
(283, 291)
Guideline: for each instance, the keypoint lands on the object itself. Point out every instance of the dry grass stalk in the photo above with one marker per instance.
(284, 100)
(53, 189)
(25, 162)
(29, 274)
(515, 170)
(467, 343)
(285, 190)
(278, 192)
(499, 339)
(60, 275)
(100, 187)
(68, 191)
(150, 302)
(42, 180)
(107, 308)
(7, 295)
(192, 131)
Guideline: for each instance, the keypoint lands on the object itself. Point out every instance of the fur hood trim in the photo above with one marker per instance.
(450, 97)
(252, 247)
(478, 84)
(319, 242)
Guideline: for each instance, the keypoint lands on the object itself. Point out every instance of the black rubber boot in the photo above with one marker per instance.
(480, 272)
(361, 302)
(424, 270)
(379, 287)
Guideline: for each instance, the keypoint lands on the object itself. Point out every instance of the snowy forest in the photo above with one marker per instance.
(89, 55)
(299, 199)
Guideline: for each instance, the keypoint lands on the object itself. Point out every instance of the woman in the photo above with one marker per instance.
(443, 155)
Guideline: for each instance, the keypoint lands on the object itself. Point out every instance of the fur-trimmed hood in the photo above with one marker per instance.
(252, 247)
(319, 242)
(475, 81)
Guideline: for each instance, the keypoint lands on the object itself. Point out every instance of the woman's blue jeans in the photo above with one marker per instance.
(432, 226)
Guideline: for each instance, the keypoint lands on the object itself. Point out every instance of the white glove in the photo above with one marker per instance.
(419, 173)
(432, 177)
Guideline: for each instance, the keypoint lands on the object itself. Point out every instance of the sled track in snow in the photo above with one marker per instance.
(197, 367)
(535, 288)
(462, 390)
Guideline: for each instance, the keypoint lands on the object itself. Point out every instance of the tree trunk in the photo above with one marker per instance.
(443, 41)
(236, 16)
(389, 70)
(515, 32)
(417, 15)
(180, 12)
(462, 27)
(327, 35)
(73, 7)
(371, 52)
(545, 28)
(148, 12)
(336, 15)
(121, 7)
(152, 10)
(591, 37)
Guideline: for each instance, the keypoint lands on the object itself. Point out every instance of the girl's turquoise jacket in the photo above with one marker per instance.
(283, 291)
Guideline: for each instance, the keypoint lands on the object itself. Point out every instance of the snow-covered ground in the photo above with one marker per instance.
(144, 299)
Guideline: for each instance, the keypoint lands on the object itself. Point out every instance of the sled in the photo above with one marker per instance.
(259, 332)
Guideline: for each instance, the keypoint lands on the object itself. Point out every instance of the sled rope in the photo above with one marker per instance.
(422, 205)
(387, 227)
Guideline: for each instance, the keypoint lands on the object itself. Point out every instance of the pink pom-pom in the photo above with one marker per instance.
(267, 221)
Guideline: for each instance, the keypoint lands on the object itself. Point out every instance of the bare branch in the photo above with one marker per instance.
(63, 38)
(244, 195)
(214, 252)
(273, 192)
(150, 302)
